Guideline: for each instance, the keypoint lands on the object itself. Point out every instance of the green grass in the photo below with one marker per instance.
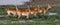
(49, 21)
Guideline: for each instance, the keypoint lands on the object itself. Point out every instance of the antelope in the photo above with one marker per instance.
(24, 12)
(39, 9)
(46, 9)
(11, 11)
(34, 11)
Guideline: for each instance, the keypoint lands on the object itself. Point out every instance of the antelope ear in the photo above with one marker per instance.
(49, 6)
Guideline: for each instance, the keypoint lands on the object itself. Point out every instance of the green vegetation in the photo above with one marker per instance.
(51, 20)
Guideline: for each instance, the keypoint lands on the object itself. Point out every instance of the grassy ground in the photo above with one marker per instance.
(51, 20)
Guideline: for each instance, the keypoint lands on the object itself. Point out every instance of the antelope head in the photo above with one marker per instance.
(49, 6)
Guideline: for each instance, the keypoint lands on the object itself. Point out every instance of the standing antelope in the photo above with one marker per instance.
(24, 12)
(34, 11)
(46, 9)
(39, 9)
(11, 11)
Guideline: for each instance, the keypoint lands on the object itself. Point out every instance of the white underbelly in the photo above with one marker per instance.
(31, 12)
(23, 14)
(12, 12)
(40, 11)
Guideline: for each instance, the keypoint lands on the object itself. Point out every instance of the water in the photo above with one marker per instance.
(8, 21)
(52, 13)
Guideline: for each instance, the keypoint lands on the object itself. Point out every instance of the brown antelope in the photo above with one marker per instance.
(34, 11)
(46, 9)
(18, 12)
(39, 9)
(24, 12)
(11, 11)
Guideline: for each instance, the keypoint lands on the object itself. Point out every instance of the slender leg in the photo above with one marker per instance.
(44, 13)
(35, 13)
(14, 13)
(19, 15)
(19, 18)
(27, 15)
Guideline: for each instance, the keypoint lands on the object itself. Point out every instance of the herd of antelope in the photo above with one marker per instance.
(27, 11)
